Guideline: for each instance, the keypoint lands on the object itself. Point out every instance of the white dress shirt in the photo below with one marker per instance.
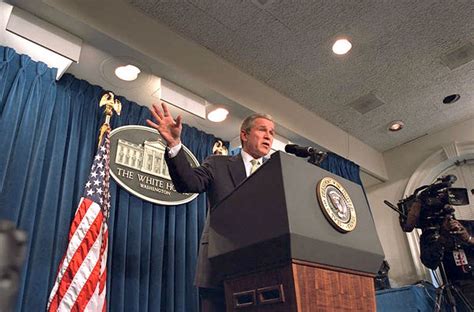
(246, 158)
(173, 151)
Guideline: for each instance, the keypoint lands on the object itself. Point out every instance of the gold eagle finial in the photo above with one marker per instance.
(111, 104)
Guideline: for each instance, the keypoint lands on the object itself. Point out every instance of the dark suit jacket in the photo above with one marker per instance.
(218, 176)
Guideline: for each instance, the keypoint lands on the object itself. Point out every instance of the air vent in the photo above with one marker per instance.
(366, 103)
(263, 3)
(411, 140)
(459, 57)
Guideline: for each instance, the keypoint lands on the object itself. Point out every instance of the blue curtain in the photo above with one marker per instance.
(48, 135)
(342, 167)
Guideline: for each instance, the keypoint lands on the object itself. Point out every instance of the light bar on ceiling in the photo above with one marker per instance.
(38, 39)
(182, 98)
(44, 34)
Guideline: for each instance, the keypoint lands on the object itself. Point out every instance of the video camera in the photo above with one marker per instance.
(430, 208)
(430, 205)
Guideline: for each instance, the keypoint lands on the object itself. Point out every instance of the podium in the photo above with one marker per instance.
(277, 251)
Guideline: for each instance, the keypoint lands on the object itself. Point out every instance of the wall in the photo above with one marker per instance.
(401, 163)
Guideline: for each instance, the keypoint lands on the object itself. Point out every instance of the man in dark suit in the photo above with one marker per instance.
(218, 176)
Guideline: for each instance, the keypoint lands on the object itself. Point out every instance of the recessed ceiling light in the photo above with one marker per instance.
(341, 46)
(396, 125)
(218, 114)
(450, 99)
(127, 72)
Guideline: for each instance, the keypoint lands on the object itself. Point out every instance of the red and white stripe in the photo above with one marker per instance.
(81, 281)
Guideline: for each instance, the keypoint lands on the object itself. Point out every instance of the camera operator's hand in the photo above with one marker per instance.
(456, 228)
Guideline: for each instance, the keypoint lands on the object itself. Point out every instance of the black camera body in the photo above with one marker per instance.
(434, 204)
(427, 209)
(430, 208)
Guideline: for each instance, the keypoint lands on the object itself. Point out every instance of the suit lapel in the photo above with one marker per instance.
(237, 169)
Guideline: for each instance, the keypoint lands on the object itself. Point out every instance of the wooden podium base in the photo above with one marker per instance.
(301, 287)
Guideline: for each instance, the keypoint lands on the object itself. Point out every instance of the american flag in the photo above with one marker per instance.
(81, 281)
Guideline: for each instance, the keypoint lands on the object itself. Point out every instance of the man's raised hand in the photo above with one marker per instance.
(169, 128)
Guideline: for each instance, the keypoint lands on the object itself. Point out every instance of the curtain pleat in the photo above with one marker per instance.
(29, 179)
(342, 167)
(48, 134)
(7, 55)
(157, 267)
(12, 112)
(27, 135)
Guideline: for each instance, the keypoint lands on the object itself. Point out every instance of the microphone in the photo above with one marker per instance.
(300, 151)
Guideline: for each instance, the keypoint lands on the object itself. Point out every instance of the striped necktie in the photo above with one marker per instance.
(255, 164)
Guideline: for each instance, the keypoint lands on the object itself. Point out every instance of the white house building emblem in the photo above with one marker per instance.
(138, 165)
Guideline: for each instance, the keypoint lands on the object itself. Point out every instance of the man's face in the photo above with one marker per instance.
(258, 141)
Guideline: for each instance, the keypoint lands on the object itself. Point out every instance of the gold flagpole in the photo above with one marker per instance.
(111, 104)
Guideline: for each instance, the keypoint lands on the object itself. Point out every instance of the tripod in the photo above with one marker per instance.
(448, 291)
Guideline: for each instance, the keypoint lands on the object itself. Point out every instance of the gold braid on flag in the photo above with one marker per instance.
(111, 104)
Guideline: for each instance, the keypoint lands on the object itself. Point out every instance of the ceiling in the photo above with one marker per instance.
(401, 57)
(398, 47)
